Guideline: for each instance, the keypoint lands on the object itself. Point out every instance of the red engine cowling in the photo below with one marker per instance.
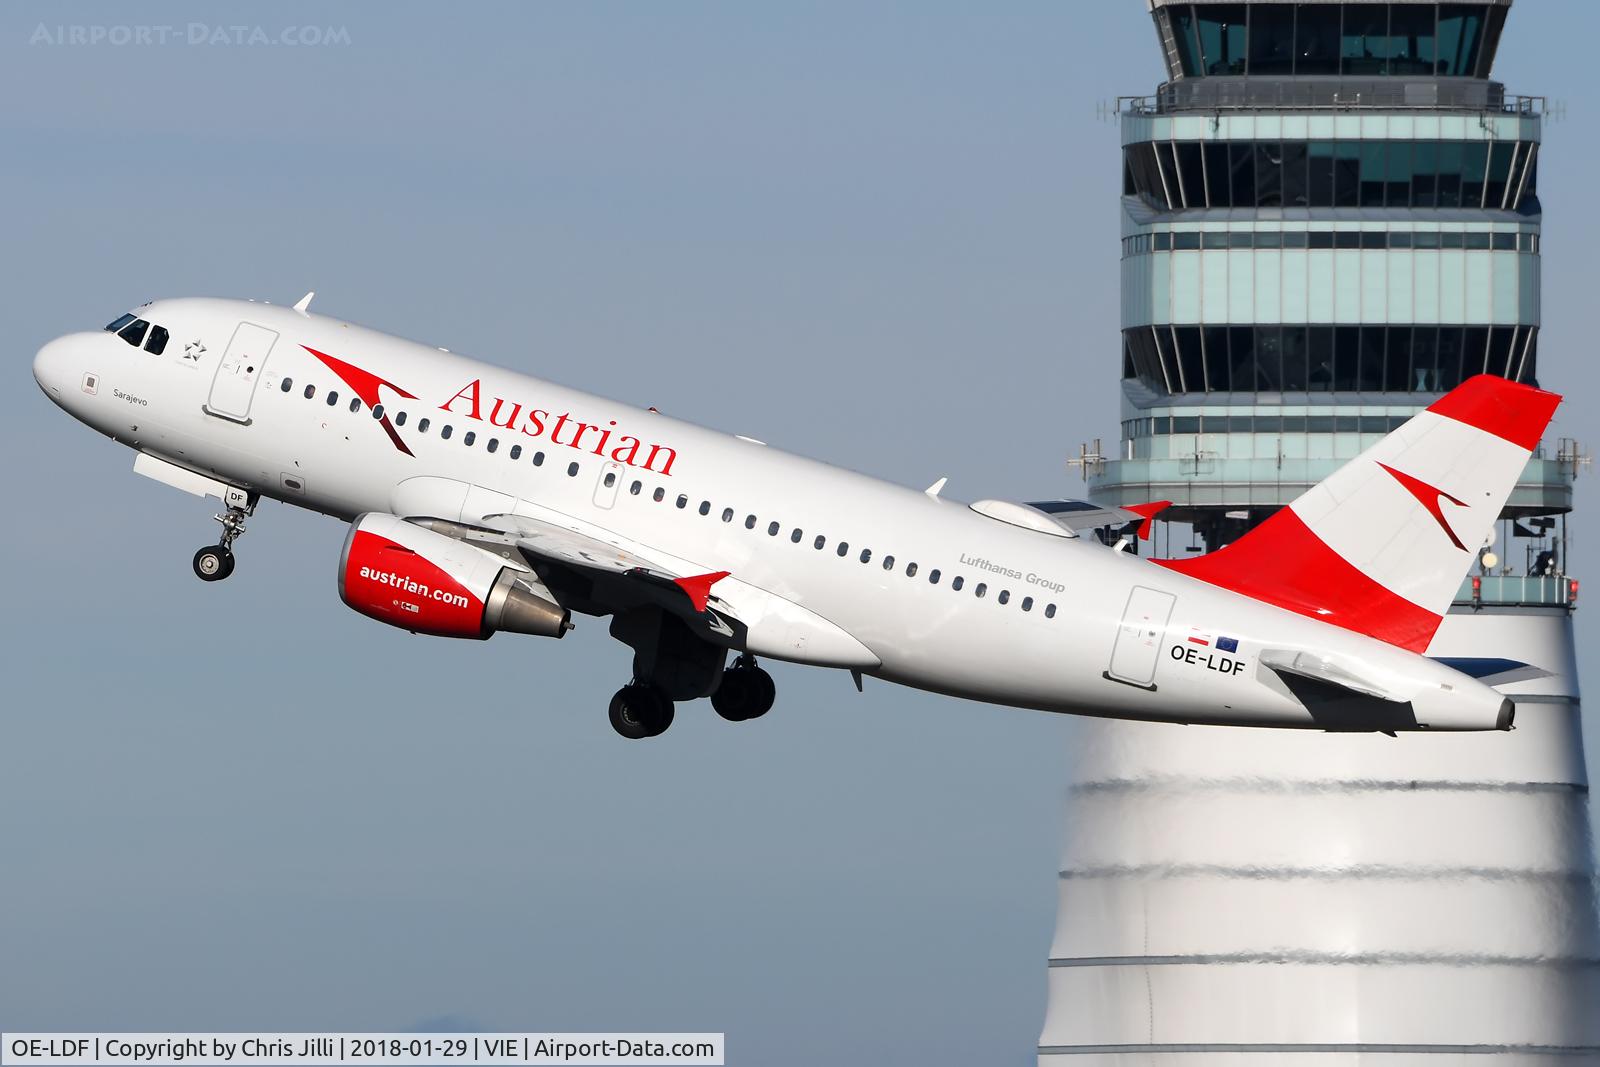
(407, 576)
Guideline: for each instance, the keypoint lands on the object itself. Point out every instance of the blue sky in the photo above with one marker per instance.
(884, 235)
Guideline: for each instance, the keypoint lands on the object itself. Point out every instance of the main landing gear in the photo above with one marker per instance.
(746, 692)
(645, 709)
(215, 562)
(641, 710)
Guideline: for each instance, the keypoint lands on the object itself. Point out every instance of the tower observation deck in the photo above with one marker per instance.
(1330, 217)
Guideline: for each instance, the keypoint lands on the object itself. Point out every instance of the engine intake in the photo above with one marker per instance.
(401, 574)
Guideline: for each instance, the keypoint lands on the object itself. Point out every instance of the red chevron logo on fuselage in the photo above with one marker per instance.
(1429, 496)
(365, 385)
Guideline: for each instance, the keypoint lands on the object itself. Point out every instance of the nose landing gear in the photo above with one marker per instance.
(215, 562)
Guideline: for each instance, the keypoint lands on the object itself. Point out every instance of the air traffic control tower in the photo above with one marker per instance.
(1330, 215)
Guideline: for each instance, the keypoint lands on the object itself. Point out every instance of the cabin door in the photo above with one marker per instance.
(1139, 637)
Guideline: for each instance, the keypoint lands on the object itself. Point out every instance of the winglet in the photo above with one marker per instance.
(1148, 512)
(698, 587)
(305, 302)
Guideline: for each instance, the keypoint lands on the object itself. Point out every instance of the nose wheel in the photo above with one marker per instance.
(215, 562)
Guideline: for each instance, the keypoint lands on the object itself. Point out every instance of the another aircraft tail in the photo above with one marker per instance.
(1382, 544)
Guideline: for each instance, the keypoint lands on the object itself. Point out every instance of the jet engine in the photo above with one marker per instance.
(399, 573)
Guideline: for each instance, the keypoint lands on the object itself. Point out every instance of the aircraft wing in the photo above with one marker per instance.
(684, 594)
(594, 571)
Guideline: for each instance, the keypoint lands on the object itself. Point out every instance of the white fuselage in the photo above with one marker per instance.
(1015, 617)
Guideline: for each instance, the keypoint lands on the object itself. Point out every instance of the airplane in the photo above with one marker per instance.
(482, 500)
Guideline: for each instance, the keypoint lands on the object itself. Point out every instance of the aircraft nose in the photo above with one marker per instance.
(47, 366)
(57, 364)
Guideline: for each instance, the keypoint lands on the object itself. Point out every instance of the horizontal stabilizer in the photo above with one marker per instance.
(1492, 670)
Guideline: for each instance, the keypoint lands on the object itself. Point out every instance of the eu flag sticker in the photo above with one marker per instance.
(1227, 644)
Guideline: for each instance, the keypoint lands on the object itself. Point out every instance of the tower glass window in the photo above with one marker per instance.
(1221, 30)
(1361, 39)
(1296, 358)
(1272, 39)
(1459, 32)
(1316, 39)
(1405, 173)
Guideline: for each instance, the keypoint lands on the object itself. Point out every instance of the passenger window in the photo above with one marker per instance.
(445, 431)
(705, 507)
(157, 343)
(116, 324)
(538, 459)
(981, 589)
(957, 582)
(772, 529)
(469, 437)
(133, 333)
(516, 452)
(844, 549)
(400, 419)
(795, 537)
(1005, 596)
(683, 501)
(610, 479)
(493, 445)
(635, 487)
(749, 522)
(1027, 603)
(1050, 611)
(422, 425)
(333, 398)
(933, 576)
(911, 570)
(572, 470)
(311, 391)
(659, 495)
(727, 514)
(888, 563)
(820, 541)
(377, 411)
(355, 405)
(866, 555)
(288, 384)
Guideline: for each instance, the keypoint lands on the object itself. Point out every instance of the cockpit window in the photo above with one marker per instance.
(119, 322)
(133, 333)
(157, 342)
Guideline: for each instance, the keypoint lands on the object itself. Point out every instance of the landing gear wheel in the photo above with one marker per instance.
(746, 692)
(639, 711)
(213, 563)
(769, 692)
(735, 695)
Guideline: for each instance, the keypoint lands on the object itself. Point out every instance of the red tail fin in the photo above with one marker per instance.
(1382, 544)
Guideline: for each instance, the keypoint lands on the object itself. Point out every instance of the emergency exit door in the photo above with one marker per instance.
(1139, 637)
(235, 383)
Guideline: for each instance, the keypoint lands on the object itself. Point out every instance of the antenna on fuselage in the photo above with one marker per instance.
(934, 489)
(304, 302)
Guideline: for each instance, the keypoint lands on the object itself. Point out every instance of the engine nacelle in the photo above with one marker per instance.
(399, 573)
